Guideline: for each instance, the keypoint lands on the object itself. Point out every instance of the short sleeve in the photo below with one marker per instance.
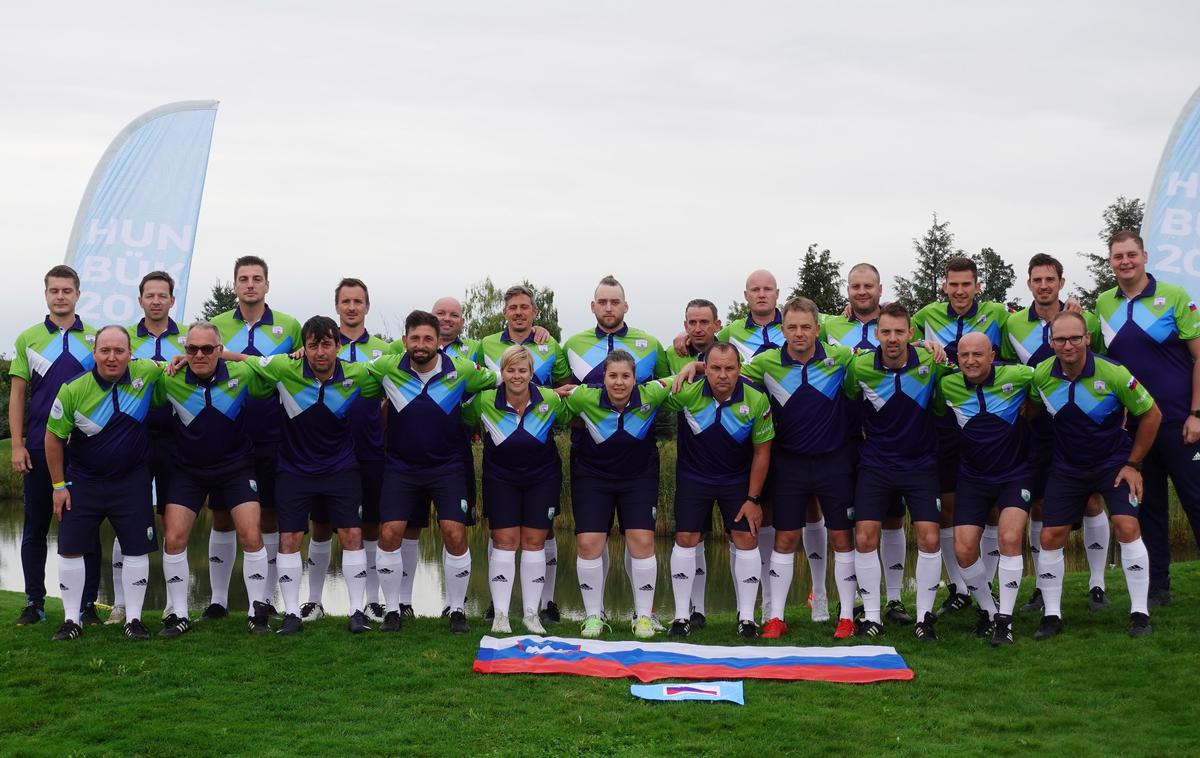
(20, 362)
(763, 429)
(1132, 394)
(755, 368)
(62, 413)
(1187, 318)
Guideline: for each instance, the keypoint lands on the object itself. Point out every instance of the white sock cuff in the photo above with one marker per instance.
(287, 560)
(320, 546)
(534, 555)
(866, 554)
(991, 531)
(504, 553)
(1012, 563)
(589, 563)
(816, 525)
(1052, 555)
(847, 557)
(228, 538)
(354, 557)
(255, 554)
(457, 561)
(137, 561)
(177, 558)
(737, 551)
(683, 552)
(407, 541)
(1134, 549)
(370, 544)
(647, 562)
(781, 558)
(1099, 520)
(934, 556)
(68, 564)
(971, 568)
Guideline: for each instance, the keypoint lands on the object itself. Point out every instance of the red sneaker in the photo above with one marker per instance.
(845, 629)
(774, 629)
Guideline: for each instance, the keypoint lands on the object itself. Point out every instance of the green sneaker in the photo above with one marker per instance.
(593, 626)
(643, 627)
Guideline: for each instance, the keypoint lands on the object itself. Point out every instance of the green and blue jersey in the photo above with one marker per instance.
(994, 445)
(616, 443)
(898, 408)
(587, 350)
(939, 321)
(518, 448)
(751, 338)
(717, 439)
(677, 362)
(1025, 337)
(549, 361)
(366, 415)
(275, 333)
(849, 332)
(47, 357)
(810, 403)
(161, 347)
(209, 423)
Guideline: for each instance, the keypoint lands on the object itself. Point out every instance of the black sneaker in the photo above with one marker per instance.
(446, 612)
(68, 630)
(1050, 627)
(311, 612)
(358, 623)
(291, 625)
(374, 612)
(955, 602)
(458, 623)
(1159, 597)
(256, 621)
(983, 624)
(490, 613)
(217, 611)
(697, 621)
(1139, 625)
(867, 628)
(174, 626)
(860, 612)
(1001, 630)
(137, 631)
(89, 617)
(1034, 603)
(271, 610)
(550, 614)
(680, 628)
(391, 622)
(1097, 599)
(924, 630)
(406, 611)
(35, 614)
(747, 629)
(897, 613)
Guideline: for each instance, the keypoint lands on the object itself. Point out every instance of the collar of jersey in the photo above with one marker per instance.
(988, 380)
(267, 317)
(360, 340)
(105, 385)
(951, 314)
(142, 331)
(787, 360)
(338, 374)
(752, 324)
(1151, 286)
(1033, 310)
(1089, 368)
(635, 400)
(737, 396)
(51, 327)
(535, 397)
(601, 334)
(914, 360)
(220, 375)
(505, 338)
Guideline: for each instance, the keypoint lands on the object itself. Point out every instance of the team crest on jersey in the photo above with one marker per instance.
(1026, 495)
(347, 383)
(641, 344)
(923, 370)
(544, 408)
(138, 383)
(263, 361)
(1191, 306)
(1099, 386)
(277, 330)
(743, 410)
(232, 384)
(1006, 387)
(56, 410)
(89, 338)
(452, 376)
(543, 348)
(828, 361)
(376, 353)
(645, 408)
(1159, 302)
(981, 319)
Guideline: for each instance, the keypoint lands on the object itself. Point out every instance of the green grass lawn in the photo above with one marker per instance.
(218, 690)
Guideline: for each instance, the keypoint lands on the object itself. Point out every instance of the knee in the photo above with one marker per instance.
(842, 540)
(1011, 542)
(687, 539)
(965, 555)
(786, 542)
(289, 542)
(1126, 529)
(390, 535)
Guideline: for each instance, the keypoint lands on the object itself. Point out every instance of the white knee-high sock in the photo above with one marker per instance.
(643, 577)
(975, 577)
(591, 584)
(137, 576)
(290, 571)
(1050, 569)
(70, 580)
(271, 543)
(502, 575)
(549, 569)
(683, 568)
(533, 580)
(1136, 563)
(389, 564)
(118, 562)
(947, 554)
(766, 546)
(458, 575)
(989, 551)
(354, 569)
(318, 567)
(1035, 548)
(254, 575)
(1096, 536)
(411, 554)
(372, 548)
(779, 576)
(816, 538)
(1011, 568)
(929, 571)
(846, 581)
(894, 551)
(868, 571)
(178, 578)
(747, 569)
(699, 579)
(222, 552)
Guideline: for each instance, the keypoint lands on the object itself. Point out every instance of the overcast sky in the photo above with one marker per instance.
(678, 146)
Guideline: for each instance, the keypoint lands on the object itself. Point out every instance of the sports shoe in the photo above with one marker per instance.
(955, 602)
(271, 610)
(1139, 625)
(1097, 599)
(924, 630)
(490, 613)
(406, 611)
(860, 612)
(983, 624)
(446, 612)
(698, 621)
(35, 614)
(774, 629)
(533, 623)
(819, 606)
(1158, 597)
(1050, 626)
(593, 626)
(311, 612)
(845, 629)
(867, 628)
(658, 625)
(550, 614)
(643, 627)
(1034, 603)
(89, 617)
(115, 616)
(1001, 630)
(175, 626)
(458, 622)
(374, 612)
(500, 623)
(68, 630)
(217, 611)
(137, 631)
(358, 623)
(680, 628)
(391, 622)
(257, 624)
(291, 625)
(747, 629)
(897, 613)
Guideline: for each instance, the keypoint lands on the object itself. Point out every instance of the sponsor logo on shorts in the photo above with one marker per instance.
(550, 513)
(253, 486)
(850, 513)
(1196, 457)
(360, 511)
(150, 533)
(654, 512)
(1026, 495)
(938, 503)
(463, 504)
(1133, 501)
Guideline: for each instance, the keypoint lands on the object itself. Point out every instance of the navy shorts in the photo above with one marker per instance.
(694, 502)
(974, 499)
(123, 500)
(162, 454)
(876, 489)
(406, 494)
(533, 505)
(795, 479)
(266, 466)
(370, 473)
(338, 494)
(1067, 496)
(594, 501)
(223, 489)
(947, 458)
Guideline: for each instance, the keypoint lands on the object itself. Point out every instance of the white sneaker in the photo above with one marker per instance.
(533, 624)
(311, 612)
(820, 609)
(500, 624)
(116, 616)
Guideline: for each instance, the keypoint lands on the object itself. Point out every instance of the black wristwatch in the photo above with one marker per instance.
(1135, 465)
(756, 499)
(1196, 412)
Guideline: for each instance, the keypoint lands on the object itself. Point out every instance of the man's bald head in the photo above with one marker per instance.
(975, 356)
(762, 295)
(450, 319)
(975, 340)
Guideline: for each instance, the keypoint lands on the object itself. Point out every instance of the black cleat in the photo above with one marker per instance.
(458, 622)
(897, 613)
(866, 628)
(406, 611)
(291, 625)
(69, 630)
(217, 611)
(358, 623)
(391, 622)
(174, 626)
(955, 602)
(680, 628)
(34, 614)
(374, 612)
(446, 612)
(1097, 599)
(924, 630)
(137, 631)
(272, 612)
(747, 629)
(1158, 597)
(1034, 603)
(697, 621)
(89, 617)
(490, 613)
(1139, 625)
(256, 622)
(983, 624)
(550, 614)
(1002, 630)
(1051, 626)
(860, 612)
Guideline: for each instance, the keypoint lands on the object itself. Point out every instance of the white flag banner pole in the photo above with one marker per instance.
(140, 209)
(1171, 225)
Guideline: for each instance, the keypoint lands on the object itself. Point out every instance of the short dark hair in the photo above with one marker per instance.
(157, 276)
(962, 263)
(1069, 315)
(619, 356)
(124, 332)
(250, 260)
(61, 271)
(701, 303)
(1125, 235)
(518, 289)
(610, 281)
(724, 347)
(895, 310)
(1041, 259)
(202, 324)
(318, 328)
(351, 282)
(802, 305)
(420, 318)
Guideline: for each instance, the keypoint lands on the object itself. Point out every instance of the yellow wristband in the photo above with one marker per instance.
(59, 485)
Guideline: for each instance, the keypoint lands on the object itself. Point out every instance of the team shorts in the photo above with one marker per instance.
(123, 500)
(1067, 496)
(408, 493)
(223, 488)
(974, 499)
(533, 506)
(694, 502)
(947, 458)
(162, 455)
(594, 501)
(266, 467)
(370, 476)
(338, 494)
(876, 489)
(795, 479)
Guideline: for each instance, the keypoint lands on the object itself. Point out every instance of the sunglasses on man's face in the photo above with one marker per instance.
(206, 349)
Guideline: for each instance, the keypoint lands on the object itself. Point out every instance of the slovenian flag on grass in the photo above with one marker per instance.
(649, 661)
